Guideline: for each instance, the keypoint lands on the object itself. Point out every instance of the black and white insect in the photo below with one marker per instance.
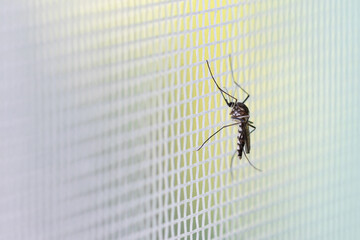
(240, 114)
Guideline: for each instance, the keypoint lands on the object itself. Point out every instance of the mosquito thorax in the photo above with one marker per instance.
(239, 109)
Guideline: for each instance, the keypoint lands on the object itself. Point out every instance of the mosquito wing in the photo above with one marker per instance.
(247, 138)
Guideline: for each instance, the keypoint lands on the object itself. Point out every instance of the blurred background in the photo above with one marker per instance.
(104, 103)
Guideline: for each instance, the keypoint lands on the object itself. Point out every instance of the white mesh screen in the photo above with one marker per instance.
(104, 103)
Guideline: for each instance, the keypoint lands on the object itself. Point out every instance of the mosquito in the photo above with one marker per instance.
(240, 114)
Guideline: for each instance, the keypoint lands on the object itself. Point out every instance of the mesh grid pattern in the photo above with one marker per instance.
(104, 103)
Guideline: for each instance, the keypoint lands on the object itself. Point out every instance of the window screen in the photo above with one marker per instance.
(103, 105)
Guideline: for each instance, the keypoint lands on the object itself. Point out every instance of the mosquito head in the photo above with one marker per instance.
(239, 110)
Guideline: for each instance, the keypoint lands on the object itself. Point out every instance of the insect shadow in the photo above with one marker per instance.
(240, 114)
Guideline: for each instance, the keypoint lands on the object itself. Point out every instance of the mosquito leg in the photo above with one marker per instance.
(246, 116)
(246, 97)
(232, 74)
(251, 163)
(254, 128)
(216, 133)
(219, 131)
(221, 91)
(228, 92)
(249, 122)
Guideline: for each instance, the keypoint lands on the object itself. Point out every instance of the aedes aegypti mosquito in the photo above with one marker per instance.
(240, 114)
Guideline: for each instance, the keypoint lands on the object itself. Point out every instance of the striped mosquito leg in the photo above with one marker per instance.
(254, 128)
(220, 130)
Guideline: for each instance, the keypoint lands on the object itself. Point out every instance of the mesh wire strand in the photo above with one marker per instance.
(104, 103)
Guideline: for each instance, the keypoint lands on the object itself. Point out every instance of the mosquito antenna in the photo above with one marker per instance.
(251, 163)
(232, 74)
(221, 91)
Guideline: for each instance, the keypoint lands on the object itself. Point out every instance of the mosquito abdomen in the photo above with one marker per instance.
(241, 140)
